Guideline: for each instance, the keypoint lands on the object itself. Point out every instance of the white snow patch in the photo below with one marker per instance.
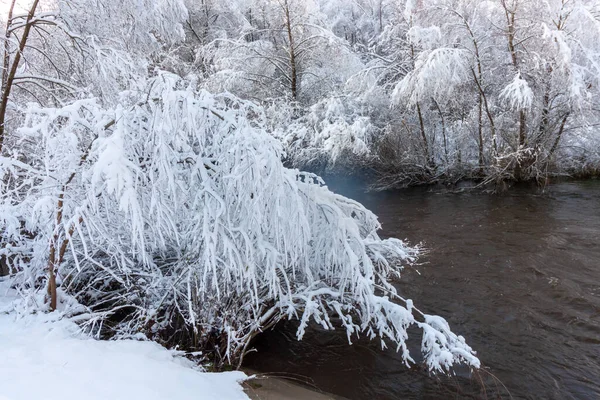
(48, 359)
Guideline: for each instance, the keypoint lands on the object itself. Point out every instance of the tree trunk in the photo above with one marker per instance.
(445, 141)
(522, 136)
(53, 261)
(7, 80)
(428, 156)
(6, 61)
(488, 112)
(558, 136)
(480, 133)
(482, 99)
(52, 265)
(292, 55)
(521, 162)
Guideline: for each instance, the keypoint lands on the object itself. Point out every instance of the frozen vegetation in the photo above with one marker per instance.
(149, 153)
(45, 356)
(418, 91)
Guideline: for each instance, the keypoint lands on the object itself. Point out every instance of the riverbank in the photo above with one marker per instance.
(46, 357)
(271, 387)
(67, 365)
(379, 182)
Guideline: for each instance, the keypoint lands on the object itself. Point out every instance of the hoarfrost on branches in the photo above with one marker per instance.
(175, 212)
(518, 94)
(436, 74)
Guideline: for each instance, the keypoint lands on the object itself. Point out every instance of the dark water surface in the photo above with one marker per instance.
(518, 274)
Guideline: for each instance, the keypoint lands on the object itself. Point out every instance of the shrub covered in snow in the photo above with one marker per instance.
(334, 132)
(170, 215)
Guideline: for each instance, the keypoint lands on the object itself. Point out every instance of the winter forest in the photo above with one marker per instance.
(159, 158)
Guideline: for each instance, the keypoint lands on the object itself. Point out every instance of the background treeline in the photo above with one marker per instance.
(418, 90)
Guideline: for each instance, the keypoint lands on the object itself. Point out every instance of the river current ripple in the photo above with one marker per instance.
(517, 274)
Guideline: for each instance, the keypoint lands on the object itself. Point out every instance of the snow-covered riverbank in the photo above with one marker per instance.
(45, 358)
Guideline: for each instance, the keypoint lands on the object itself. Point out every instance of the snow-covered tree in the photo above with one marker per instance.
(283, 50)
(441, 84)
(517, 81)
(164, 211)
(172, 216)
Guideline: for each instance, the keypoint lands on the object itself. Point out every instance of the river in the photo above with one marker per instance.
(517, 274)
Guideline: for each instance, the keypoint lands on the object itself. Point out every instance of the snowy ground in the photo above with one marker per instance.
(45, 359)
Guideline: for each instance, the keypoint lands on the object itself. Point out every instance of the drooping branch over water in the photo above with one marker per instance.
(183, 225)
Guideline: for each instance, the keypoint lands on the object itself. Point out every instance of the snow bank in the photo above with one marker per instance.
(46, 359)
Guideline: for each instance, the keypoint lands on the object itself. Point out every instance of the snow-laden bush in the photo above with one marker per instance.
(173, 218)
(437, 74)
(333, 132)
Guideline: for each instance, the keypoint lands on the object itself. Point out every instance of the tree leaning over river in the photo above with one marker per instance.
(144, 206)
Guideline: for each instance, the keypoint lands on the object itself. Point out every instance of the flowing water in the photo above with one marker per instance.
(518, 274)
